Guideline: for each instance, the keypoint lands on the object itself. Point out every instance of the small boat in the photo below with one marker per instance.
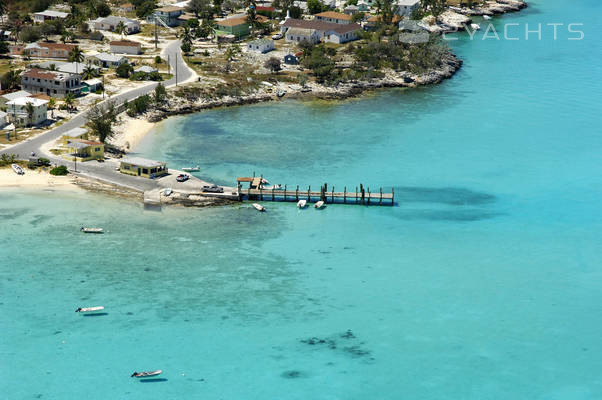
(302, 204)
(275, 187)
(264, 181)
(146, 374)
(258, 207)
(167, 191)
(91, 230)
(89, 309)
(319, 204)
(487, 17)
(191, 169)
(18, 170)
(475, 27)
(281, 93)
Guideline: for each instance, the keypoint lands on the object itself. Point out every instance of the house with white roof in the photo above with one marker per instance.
(125, 47)
(261, 45)
(107, 60)
(110, 23)
(17, 111)
(75, 68)
(406, 7)
(147, 69)
(49, 15)
(14, 95)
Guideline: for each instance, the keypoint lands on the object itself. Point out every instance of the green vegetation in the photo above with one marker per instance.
(124, 70)
(101, 120)
(138, 105)
(160, 94)
(60, 170)
(7, 159)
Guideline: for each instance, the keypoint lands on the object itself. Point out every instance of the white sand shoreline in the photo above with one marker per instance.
(131, 131)
(36, 179)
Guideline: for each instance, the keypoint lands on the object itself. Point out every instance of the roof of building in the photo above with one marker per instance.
(21, 101)
(301, 31)
(127, 43)
(235, 21)
(82, 143)
(42, 96)
(75, 132)
(258, 42)
(169, 9)
(322, 26)
(16, 95)
(108, 57)
(43, 74)
(114, 20)
(407, 2)
(146, 68)
(143, 162)
(52, 46)
(51, 13)
(334, 15)
(74, 68)
(92, 82)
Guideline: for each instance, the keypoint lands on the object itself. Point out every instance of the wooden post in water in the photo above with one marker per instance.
(284, 192)
(332, 195)
(362, 193)
(381, 196)
(392, 196)
(356, 195)
(345, 195)
(369, 195)
(308, 196)
(261, 192)
(297, 194)
(272, 193)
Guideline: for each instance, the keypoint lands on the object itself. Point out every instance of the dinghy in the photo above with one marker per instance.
(146, 374)
(487, 17)
(89, 309)
(258, 207)
(475, 27)
(18, 170)
(191, 169)
(302, 204)
(91, 230)
(319, 205)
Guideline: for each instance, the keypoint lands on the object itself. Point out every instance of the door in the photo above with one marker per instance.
(138, 171)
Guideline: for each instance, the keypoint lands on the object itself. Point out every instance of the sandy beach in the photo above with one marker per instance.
(131, 131)
(36, 179)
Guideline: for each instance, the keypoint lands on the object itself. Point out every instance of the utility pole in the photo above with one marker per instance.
(156, 32)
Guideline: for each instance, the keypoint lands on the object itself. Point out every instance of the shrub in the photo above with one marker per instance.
(158, 60)
(138, 105)
(60, 170)
(124, 70)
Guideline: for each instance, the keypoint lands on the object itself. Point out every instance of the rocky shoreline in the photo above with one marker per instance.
(450, 64)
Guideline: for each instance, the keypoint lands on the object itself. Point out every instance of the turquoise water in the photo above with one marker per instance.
(482, 283)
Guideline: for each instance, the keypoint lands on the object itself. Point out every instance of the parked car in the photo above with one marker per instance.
(213, 189)
(277, 36)
(182, 177)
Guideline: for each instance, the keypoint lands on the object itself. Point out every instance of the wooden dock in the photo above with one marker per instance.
(361, 195)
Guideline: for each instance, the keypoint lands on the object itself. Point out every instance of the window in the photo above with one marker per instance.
(54, 91)
(145, 170)
(97, 149)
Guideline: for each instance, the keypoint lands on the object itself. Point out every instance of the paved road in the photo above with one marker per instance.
(24, 149)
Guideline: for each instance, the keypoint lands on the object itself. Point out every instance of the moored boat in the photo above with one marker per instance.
(475, 27)
(302, 204)
(319, 204)
(91, 230)
(18, 170)
(89, 309)
(258, 207)
(191, 169)
(486, 17)
(146, 374)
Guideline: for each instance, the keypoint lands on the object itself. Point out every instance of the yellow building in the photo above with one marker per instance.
(137, 166)
(84, 150)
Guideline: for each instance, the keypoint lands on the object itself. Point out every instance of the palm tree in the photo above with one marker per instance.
(88, 72)
(120, 28)
(186, 35)
(69, 99)
(76, 55)
(11, 79)
(30, 111)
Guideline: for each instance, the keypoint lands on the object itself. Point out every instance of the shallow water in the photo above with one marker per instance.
(483, 282)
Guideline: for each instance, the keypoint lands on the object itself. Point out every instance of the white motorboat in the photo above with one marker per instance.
(91, 230)
(475, 27)
(275, 187)
(319, 205)
(264, 181)
(167, 191)
(18, 170)
(487, 17)
(146, 374)
(191, 169)
(281, 93)
(89, 309)
(302, 204)
(258, 207)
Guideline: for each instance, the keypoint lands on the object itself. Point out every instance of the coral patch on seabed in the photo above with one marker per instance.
(345, 342)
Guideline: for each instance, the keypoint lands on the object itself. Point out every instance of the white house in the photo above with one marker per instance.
(261, 45)
(406, 7)
(147, 69)
(110, 23)
(125, 46)
(48, 15)
(14, 95)
(107, 60)
(296, 35)
(18, 115)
